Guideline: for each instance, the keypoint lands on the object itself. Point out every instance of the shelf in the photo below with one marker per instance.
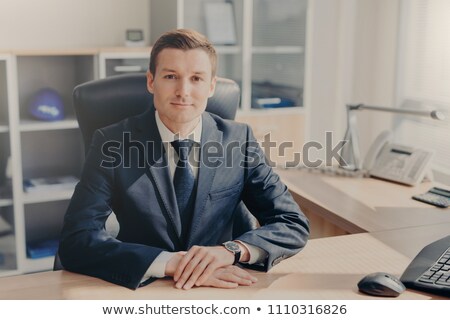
(4, 128)
(126, 54)
(57, 52)
(35, 125)
(228, 49)
(40, 197)
(125, 69)
(8, 272)
(6, 202)
(119, 51)
(278, 50)
(41, 264)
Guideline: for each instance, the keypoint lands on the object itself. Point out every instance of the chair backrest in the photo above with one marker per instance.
(103, 102)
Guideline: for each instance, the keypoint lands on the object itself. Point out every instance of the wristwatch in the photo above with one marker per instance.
(234, 248)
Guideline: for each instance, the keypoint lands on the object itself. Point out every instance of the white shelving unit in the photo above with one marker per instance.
(37, 149)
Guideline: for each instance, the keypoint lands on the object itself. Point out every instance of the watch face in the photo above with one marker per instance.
(232, 246)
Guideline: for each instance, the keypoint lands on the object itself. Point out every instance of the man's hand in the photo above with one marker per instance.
(229, 277)
(172, 264)
(199, 263)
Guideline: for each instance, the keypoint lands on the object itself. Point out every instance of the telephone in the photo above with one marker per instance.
(395, 162)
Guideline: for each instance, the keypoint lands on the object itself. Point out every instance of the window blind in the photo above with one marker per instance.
(423, 76)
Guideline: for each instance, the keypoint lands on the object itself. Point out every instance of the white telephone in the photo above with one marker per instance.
(395, 162)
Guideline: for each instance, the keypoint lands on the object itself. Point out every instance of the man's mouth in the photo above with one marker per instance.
(181, 104)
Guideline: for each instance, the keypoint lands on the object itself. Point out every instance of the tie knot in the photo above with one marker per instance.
(183, 148)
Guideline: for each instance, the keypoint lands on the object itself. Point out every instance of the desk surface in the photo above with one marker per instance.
(362, 204)
(327, 268)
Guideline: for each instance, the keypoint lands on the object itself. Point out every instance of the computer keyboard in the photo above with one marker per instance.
(430, 269)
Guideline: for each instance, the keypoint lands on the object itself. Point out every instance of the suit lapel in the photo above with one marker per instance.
(157, 161)
(206, 173)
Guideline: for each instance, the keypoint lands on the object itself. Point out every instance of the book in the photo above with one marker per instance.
(50, 184)
(42, 249)
(5, 227)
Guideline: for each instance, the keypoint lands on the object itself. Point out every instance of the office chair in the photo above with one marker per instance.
(100, 103)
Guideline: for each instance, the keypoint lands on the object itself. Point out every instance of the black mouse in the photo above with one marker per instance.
(381, 284)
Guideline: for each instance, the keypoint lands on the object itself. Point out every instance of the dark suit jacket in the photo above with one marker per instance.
(126, 172)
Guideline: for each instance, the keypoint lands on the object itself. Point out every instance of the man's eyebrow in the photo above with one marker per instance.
(168, 70)
(174, 71)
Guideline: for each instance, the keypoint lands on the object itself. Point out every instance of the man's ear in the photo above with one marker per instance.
(150, 82)
(213, 87)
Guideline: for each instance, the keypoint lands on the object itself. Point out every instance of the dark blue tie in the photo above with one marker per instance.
(184, 182)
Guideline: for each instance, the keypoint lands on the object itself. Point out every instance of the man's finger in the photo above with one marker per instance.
(197, 272)
(231, 275)
(184, 261)
(243, 274)
(206, 274)
(217, 283)
(188, 270)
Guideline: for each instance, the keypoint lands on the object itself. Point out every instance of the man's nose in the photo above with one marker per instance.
(183, 88)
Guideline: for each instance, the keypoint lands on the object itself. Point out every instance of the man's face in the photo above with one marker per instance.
(181, 86)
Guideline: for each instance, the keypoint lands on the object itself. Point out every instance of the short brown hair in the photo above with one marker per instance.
(184, 39)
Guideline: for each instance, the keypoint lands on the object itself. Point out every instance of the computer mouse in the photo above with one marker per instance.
(381, 284)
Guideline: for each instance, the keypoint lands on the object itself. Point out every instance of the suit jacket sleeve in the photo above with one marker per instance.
(85, 246)
(284, 228)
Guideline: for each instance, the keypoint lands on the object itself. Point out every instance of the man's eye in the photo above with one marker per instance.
(196, 78)
(170, 76)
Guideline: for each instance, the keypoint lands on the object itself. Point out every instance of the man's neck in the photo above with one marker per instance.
(184, 130)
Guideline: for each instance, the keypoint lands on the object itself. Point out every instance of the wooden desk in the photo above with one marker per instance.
(339, 205)
(328, 268)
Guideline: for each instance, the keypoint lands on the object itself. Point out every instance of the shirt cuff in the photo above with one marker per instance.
(158, 267)
(257, 254)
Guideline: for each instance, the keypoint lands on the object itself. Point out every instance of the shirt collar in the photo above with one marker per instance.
(169, 136)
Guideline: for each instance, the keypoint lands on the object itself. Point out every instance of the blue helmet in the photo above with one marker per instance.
(47, 105)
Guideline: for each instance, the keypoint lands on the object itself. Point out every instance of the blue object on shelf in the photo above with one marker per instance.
(47, 105)
(274, 102)
(42, 249)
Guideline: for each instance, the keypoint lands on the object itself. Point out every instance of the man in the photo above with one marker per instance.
(176, 211)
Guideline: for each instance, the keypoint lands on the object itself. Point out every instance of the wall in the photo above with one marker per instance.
(321, 70)
(49, 24)
(375, 64)
(351, 59)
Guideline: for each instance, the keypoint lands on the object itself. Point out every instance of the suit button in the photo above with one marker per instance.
(278, 260)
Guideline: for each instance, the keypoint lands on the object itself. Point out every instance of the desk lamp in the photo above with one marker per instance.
(350, 153)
